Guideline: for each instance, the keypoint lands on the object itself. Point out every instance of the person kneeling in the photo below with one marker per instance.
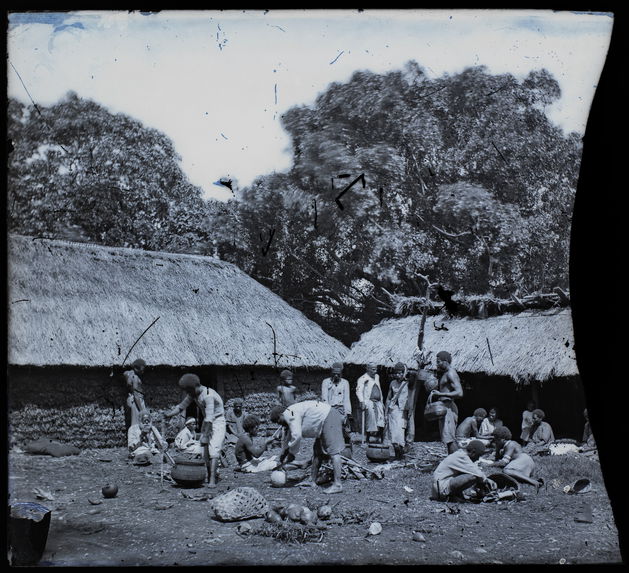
(248, 454)
(458, 472)
(515, 463)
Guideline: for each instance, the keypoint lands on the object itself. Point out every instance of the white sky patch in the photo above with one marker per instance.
(209, 80)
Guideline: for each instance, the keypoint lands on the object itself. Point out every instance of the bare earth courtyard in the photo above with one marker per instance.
(155, 522)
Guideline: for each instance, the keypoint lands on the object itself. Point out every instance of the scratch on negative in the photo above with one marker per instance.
(337, 57)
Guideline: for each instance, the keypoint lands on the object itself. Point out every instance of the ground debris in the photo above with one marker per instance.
(289, 532)
(45, 494)
(204, 496)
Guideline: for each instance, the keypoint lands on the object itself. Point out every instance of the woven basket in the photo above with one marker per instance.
(240, 503)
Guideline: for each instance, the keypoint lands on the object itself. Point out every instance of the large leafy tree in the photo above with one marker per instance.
(78, 171)
(465, 180)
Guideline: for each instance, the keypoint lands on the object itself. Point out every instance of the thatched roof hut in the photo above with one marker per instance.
(530, 345)
(83, 304)
(76, 310)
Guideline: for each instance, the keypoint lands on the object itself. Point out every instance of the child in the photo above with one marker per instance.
(527, 422)
(247, 453)
(286, 389)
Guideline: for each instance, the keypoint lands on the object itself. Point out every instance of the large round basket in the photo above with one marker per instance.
(189, 472)
(378, 452)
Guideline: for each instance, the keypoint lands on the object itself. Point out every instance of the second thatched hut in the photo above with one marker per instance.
(503, 361)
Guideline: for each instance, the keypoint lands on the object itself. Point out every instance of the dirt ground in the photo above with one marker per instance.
(155, 522)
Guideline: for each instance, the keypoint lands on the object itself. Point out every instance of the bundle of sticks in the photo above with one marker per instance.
(353, 470)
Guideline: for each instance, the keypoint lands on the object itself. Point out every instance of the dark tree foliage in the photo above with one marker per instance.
(79, 172)
(466, 181)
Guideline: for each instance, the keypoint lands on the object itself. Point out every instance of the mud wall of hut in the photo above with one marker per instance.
(85, 406)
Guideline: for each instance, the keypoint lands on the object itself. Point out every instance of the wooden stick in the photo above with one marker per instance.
(362, 429)
(352, 462)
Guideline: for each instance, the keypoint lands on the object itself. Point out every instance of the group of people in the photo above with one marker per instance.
(387, 418)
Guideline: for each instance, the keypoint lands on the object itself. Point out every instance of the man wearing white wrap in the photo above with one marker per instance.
(213, 428)
(369, 394)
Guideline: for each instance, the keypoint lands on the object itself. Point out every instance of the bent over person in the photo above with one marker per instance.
(515, 462)
(312, 419)
(213, 427)
(458, 472)
(448, 388)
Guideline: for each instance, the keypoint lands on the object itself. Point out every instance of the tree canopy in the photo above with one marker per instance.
(78, 171)
(465, 180)
(395, 177)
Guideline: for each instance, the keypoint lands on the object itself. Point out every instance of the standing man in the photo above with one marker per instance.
(135, 395)
(370, 402)
(395, 407)
(213, 428)
(411, 403)
(335, 391)
(312, 419)
(449, 388)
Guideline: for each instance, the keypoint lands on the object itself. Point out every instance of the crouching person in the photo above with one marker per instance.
(515, 463)
(312, 419)
(458, 472)
(144, 441)
(248, 455)
(213, 427)
(185, 442)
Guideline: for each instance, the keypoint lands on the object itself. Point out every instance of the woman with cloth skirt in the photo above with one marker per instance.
(394, 410)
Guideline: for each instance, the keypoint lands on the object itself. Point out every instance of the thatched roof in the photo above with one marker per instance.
(531, 345)
(83, 304)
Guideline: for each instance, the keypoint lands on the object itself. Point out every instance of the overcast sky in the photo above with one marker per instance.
(216, 82)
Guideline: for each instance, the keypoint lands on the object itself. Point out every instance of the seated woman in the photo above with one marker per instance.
(468, 429)
(234, 418)
(513, 460)
(144, 441)
(541, 432)
(248, 454)
(186, 442)
(490, 423)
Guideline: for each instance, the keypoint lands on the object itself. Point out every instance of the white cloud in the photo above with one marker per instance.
(197, 75)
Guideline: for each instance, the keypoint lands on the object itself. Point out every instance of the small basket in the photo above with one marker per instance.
(240, 503)
(434, 410)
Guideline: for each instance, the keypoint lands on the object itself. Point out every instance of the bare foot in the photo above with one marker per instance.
(211, 484)
(334, 488)
(307, 483)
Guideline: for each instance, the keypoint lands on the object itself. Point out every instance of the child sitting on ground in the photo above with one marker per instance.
(248, 454)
